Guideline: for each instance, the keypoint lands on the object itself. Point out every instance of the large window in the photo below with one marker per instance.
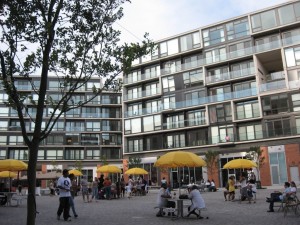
(213, 35)
(240, 49)
(196, 117)
(93, 126)
(55, 140)
(286, 14)
(215, 55)
(195, 97)
(111, 139)
(152, 89)
(298, 125)
(263, 21)
(133, 126)
(93, 153)
(218, 74)
(220, 93)
(292, 56)
(168, 84)
(278, 127)
(135, 145)
(54, 154)
(296, 102)
(154, 142)
(169, 102)
(89, 139)
(222, 134)
(172, 66)
(3, 125)
(134, 76)
(20, 154)
(74, 154)
(74, 126)
(134, 109)
(151, 123)
(250, 132)
(174, 121)
(111, 153)
(246, 110)
(4, 111)
(242, 69)
(111, 125)
(175, 140)
(193, 78)
(275, 104)
(237, 29)
(15, 140)
(220, 113)
(152, 71)
(169, 47)
(197, 137)
(134, 93)
(189, 41)
(91, 112)
(153, 106)
(192, 61)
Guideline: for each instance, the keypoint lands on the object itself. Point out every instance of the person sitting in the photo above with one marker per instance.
(197, 201)
(278, 196)
(207, 184)
(212, 186)
(162, 199)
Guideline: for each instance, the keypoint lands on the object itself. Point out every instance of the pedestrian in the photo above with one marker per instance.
(51, 187)
(73, 193)
(85, 189)
(100, 186)
(64, 186)
(95, 189)
(107, 188)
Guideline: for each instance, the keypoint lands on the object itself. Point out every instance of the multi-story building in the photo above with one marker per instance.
(82, 137)
(224, 87)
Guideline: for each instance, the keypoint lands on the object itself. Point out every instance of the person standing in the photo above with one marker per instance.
(51, 187)
(107, 187)
(64, 186)
(73, 191)
(100, 185)
(95, 189)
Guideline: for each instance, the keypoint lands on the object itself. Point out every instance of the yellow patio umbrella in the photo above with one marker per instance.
(239, 164)
(136, 171)
(179, 159)
(109, 169)
(75, 172)
(12, 165)
(7, 174)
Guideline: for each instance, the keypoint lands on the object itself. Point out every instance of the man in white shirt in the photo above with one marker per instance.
(64, 185)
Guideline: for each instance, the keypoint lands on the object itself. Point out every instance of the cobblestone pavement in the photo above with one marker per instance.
(140, 210)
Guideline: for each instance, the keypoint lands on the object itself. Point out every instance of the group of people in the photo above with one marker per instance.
(164, 199)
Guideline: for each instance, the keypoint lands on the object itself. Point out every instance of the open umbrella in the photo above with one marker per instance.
(7, 174)
(240, 164)
(109, 169)
(179, 159)
(12, 165)
(75, 172)
(136, 171)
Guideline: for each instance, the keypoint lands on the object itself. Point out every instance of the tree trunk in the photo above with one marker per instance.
(31, 177)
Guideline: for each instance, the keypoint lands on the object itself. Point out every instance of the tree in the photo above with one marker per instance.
(211, 159)
(71, 39)
(78, 165)
(256, 154)
(134, 162)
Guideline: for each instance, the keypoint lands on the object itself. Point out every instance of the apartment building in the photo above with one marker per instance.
(224, 87)
(84, 137)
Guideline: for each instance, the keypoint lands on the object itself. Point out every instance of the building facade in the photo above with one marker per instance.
(84, 137)
(225, 87)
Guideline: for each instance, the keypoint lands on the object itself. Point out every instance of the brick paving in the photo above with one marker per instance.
(140, 210)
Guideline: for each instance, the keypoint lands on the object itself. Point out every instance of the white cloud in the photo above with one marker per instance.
(164, 18)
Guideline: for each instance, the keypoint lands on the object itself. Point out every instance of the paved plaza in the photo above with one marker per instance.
(140, 210)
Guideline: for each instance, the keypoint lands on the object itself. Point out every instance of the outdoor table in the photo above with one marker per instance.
(9, 196)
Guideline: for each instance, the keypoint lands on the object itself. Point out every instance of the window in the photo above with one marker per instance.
(152, 89)
(134, 93)
(220, 93)
(263, 21)
(220, 113)
(189, 41)
(275, 104)
(169, 48)
(237, 29)
(74, 126)
(292, 56)
(134, 76)
(197, 137)
(2, 154)
(72, 139)
(175, 140)
(41, 155)
(90, 85)
(244, 89)
(3, 125)
(168, 84)
(95, 101)
(242, 69)
(4, 111)
(153, 106)
(278, 127)
(111, 125)
(111, 153)
(151, 123)
(215, 55)
(135, 145)
(93, 153)
(172, 66)
(298, 125)
(152, 71)
(195, 97)
(246, 110)
(296, 102)
(23, 85)
(111, 99)
(89, 139)
(58, 126)
(192, 61)
(213, 36)
(55, 140)
(3, 140)
(75, 99)
(73, 113)
(154, 142)
(74, 154)
(222, 133)
(250, 132)
(196, 117)
(133, 126)
(91, 112)
(240, 49)
(134, 109)
(112, 112)
(20, 154)
(174, 121)
(15, 140)
(3, 97)
(169, 102)
(286, 14)
(218, 74)
(54, 85)
(93, 126)
(193, 78)
(54, 154)
(111, 139)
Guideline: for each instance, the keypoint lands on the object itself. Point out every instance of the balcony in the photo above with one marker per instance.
(141, 94)
(273, 85)
(141, 77)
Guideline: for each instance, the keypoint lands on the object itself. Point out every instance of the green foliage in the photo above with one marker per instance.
(103, 160)
(134, 162)
(71, 39)
(78, 165)
(256, 154)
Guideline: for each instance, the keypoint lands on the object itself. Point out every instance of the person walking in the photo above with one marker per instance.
(73, 191)
(95, 189)
(64, 186)
(85, 189)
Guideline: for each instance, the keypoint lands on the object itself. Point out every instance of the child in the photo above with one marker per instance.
(128, 191)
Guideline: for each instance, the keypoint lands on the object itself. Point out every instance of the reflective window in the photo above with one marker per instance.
(296, 102)
(263, 21)
(250, 132)
(153, 106)
(196, 117)
(286, 14)
(190, 41)
(134, 145)
(237, 29)
(213, 35)
(169, 102)
(151, 123)
(245, 110)
(168, 84)
(292, 56)
(133, 126)
(193, 78)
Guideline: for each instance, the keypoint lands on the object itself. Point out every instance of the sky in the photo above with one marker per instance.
(165, 18)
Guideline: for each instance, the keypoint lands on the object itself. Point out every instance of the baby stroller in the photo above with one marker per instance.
(246, 194)
(101, 194)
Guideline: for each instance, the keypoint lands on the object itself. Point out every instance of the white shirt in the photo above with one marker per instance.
(197, 200)
(65, 183)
